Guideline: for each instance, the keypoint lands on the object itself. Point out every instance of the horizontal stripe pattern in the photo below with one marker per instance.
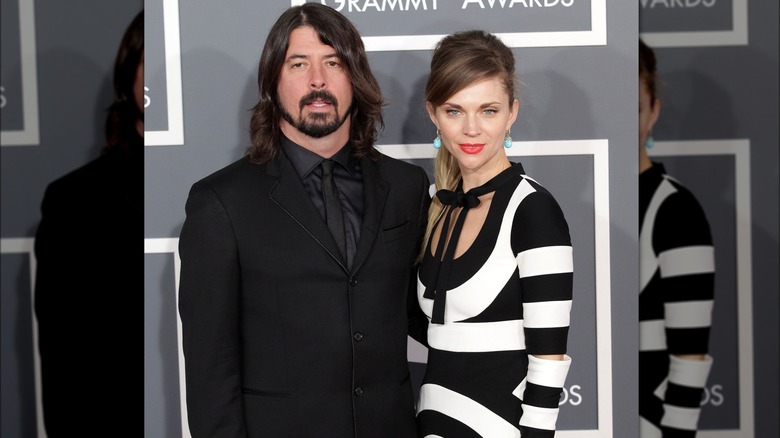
(687, 372)
(546, 340)
(686, 260)
(677, 272)
(688, 314)
(683, 396)
(539, 418)
(555, 287)
(687, 340)
(545, 260)
(685, 287)
(477, 336)
(547, 314)
(680, 418)
(652, 335)
(547, 372)
(681, 393)
(541, 396)
(516, 304)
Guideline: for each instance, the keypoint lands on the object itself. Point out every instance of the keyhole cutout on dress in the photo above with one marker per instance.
(472, 226)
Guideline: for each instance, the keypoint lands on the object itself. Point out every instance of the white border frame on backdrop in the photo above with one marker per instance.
(597, 36)
(30, 135)
(174, 136)
(740, 149)
(737, 36)
(599, 149)
(27, 246)
(171, 246)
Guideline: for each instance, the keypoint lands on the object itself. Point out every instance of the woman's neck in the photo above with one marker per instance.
(483, 175)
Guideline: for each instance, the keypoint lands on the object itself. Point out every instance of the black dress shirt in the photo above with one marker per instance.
(348, 179)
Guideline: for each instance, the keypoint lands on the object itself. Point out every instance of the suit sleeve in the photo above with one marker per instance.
(418, 322)
(540, 238)
(57, 276)
(209, 304)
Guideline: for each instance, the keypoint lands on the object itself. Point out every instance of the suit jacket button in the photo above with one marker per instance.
(353, 282)
(358, 391)
(358, 336)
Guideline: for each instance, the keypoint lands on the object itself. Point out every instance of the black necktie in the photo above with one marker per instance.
(334, 216)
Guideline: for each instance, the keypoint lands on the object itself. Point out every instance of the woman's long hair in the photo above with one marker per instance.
(121, 132)
(459, 60)
(336, 31)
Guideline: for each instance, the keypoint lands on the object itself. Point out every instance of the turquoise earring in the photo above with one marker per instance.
(507, 140)
(437, 140)
(649, 142)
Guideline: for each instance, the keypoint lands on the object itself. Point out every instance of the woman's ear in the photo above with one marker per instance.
(514, 109)
(431, 113)
(655, 112)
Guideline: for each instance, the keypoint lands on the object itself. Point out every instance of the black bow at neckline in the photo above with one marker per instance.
(436, 288)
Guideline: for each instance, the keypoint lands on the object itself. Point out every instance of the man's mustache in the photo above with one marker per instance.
(321, 95)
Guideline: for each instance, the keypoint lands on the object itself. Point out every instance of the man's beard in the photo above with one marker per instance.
(315, 124)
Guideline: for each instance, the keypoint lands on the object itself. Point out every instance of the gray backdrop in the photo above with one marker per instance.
(578, 107)
(55, 78)
(201, 66)
(718, 134)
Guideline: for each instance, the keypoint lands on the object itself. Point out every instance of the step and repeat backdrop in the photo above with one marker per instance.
(576, 135)
(56, 66)
(716, 63)
(578, 102)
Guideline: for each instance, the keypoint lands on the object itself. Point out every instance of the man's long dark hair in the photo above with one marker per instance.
(121, 132)
(336, 31)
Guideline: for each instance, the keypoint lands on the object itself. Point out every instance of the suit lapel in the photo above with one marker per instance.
(375, 191)
(288, 193)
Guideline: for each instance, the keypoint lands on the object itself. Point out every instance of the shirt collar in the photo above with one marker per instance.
(305, 161)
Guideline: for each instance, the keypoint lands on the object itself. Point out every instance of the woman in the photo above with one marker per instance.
(677, 270)
(496, 269)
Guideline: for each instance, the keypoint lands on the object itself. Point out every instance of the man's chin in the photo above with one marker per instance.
(319, 128)
(320, 117)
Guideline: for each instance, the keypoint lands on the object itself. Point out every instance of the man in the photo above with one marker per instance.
(295, 314)
(89, 279)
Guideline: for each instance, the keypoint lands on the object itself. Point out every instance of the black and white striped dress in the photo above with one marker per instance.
(508, 297)
(677, 269)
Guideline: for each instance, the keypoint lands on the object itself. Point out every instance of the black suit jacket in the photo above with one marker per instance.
(89, 298)
(281, 339)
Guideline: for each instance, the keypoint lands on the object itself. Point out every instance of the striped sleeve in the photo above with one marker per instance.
(540, 393)
(540, 238)
(686, 267)
(682, 392)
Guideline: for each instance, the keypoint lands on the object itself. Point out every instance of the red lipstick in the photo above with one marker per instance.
(472, 148)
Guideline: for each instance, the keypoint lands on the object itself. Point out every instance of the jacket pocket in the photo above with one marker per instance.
(396, 232)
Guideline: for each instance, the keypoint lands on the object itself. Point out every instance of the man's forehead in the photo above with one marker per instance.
(308, 43)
